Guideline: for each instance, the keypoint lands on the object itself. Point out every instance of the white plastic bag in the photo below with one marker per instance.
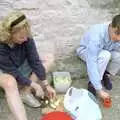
(81, 104)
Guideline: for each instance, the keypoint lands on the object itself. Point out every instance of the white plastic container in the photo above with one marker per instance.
(81, 104)
(62, 81)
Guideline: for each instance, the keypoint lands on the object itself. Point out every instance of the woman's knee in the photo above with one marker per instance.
(7, 82)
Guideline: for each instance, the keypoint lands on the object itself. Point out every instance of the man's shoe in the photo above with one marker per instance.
(107, 82)
(30, 100)
(91, 88)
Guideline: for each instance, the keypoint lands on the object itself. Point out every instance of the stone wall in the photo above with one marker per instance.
(58, 25)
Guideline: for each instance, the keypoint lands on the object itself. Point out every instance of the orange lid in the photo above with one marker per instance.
(57, 115)
(107, 102)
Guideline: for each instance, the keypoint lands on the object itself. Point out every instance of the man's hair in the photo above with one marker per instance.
(116, 22)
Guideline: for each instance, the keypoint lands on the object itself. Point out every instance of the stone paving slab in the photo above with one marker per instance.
(112, 113)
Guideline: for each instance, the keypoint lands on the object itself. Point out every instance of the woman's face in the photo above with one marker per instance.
(19, 36)
(114, 34)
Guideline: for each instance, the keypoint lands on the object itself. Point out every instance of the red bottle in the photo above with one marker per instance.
(107, 102)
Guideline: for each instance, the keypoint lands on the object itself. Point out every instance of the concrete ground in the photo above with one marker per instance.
(108, 114)
(79, 81)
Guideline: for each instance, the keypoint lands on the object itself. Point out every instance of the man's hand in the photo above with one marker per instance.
(38, 89)
(103, 94)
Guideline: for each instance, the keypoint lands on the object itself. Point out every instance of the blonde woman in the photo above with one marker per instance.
(20, 63)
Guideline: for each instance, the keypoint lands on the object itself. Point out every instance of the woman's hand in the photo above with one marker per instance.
(38, 89)
(50, 91)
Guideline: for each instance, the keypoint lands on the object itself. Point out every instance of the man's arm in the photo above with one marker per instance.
(93, 50)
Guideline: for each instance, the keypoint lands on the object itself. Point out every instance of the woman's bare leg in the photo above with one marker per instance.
(8, 83)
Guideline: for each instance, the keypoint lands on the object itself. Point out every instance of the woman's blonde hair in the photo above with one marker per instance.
(14, 21)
